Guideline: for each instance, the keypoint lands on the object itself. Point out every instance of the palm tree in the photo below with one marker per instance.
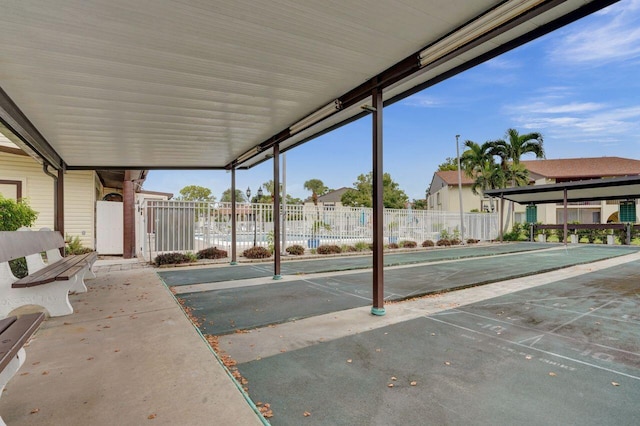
(475, 158)
(510, 151)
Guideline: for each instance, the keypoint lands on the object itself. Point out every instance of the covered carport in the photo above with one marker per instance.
(225, 85)
(621, 188)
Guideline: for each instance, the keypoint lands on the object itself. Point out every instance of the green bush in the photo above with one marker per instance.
(408, 244)
(455, 242)
(256, 253)
(348, 249)
(443, 242)
(362, 246)
(19, 267)
(472, 241)
(174, 258)
(74, 246)
(393, 246)
(428, 243)
(329, 249)
(212, 253)
(14, 215)
(296, 250)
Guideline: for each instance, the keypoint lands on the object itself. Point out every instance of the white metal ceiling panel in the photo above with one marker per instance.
(196, 83)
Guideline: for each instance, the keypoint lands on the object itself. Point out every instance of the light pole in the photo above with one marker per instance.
(460, 192)
(255, 229)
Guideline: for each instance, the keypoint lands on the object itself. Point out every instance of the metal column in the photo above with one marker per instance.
(128, 217)
(566, 218)
(234, 260)
(276, 212)
(378, 206)
(59, 203)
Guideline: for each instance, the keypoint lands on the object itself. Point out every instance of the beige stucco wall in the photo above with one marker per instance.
(38, 189)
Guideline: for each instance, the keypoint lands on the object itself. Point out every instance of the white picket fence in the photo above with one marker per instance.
(168, 226)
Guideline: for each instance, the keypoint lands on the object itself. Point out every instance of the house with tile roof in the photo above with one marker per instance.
(443, 191)
(330, 199)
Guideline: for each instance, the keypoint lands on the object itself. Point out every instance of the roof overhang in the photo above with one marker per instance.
(622, 188)
(214, 85)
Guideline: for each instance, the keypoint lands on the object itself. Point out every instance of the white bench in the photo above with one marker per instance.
(14, 333)
(47, 285)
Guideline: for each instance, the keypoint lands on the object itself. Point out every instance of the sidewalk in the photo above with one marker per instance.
(127, 356)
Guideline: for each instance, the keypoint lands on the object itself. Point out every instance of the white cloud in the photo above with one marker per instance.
(584, 122)
(613, 35)
(423, 101)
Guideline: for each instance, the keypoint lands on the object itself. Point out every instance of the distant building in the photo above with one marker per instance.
(443, 192)
(330, 199)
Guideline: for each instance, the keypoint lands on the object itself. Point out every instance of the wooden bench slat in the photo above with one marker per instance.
(55, 271)
(16, 335)
(6, 323)
(71, 272)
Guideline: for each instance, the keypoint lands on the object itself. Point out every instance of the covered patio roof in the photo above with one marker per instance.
(621, 188)
(197, 84)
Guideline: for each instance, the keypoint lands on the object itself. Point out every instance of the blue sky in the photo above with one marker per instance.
(579, 87)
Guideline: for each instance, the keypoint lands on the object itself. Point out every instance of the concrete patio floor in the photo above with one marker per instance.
(127, 356)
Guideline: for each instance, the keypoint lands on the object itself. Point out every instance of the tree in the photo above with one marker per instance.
(316, 186)
(226, 196)
(420, 204)
(196, 193)
(15, 214)
(393, 197)
(448, 164)
(510, 151)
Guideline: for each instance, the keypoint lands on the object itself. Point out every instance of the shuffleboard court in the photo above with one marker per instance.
(227, 310)
(176, 277)
(563, 353)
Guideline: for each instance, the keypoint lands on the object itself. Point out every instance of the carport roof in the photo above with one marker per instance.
(212, 84)
(622, 188)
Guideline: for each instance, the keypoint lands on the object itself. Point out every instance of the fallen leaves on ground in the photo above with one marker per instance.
(349, 361)
(390, 385)
(615, 383)
(552, 374)
(44, 373)
(34, 411)
(152, 416)
(413, 383)
(306, 414)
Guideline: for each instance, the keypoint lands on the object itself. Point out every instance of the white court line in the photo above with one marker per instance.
(586, 314)
(221, 285)
(272, 340)
(535, 330)
(610, 370)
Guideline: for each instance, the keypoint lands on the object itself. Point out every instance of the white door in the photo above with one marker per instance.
(109, 227)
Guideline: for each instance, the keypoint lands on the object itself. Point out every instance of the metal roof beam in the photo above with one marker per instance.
(28, 137)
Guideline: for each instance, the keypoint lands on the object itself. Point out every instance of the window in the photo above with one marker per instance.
(11, 189)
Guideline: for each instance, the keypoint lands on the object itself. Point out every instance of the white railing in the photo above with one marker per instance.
(167, 226)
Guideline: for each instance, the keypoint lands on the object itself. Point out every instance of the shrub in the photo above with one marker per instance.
(296, 250)
(19, 267)
(329, 249)
(74, 246)
(472, 241)
(14, 215)
(393, 246)
(443, 242)
(455, 242)
(408, 244)
(348, 249)
(173, 258)
(362, 246)
(212, 253)
(428, 243)
(256, 253)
